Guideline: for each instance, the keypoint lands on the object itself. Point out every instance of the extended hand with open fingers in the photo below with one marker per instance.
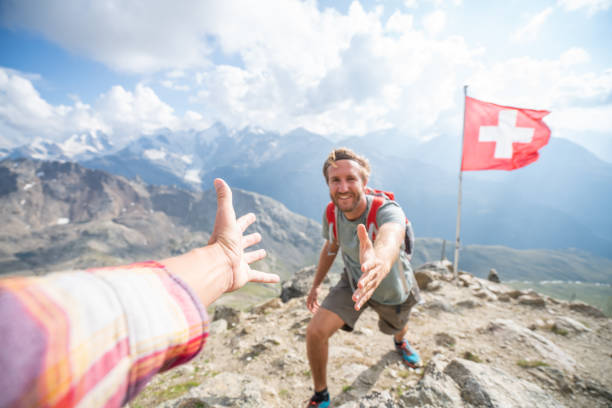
(228, 235)
(372, 269)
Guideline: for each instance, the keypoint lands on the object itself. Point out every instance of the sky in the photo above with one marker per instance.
(337, 68)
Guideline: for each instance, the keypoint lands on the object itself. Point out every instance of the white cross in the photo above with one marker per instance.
(505, 133)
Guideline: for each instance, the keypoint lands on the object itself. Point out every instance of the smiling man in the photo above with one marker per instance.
(376, 274)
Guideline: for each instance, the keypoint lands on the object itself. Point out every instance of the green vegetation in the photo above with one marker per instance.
(598, 295)
(347, 388)
(468, 355)
(531, 363)
(283, 393)
(176, 390)
(559, 331)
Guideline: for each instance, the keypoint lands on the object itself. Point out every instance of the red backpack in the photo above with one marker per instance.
(379, 197)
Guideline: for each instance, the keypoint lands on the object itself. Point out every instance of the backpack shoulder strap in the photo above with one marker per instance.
(330, 212)
(371, 224)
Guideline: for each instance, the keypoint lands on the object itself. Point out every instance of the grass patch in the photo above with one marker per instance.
(531, 363)
(283, 393)
(306, 373)
(468, 355)
(176, 390)
(559, 331)
(347, 388)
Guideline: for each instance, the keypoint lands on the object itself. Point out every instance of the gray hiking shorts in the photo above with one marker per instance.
(391, 318)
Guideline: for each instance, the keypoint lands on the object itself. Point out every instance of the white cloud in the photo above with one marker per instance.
(129, 36)
(591, 6)
(434, 22)
(531, 29)
(121, 113)
(291, 65)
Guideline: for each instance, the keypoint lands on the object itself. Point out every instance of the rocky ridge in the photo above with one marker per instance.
(60, 215)
(483, 344)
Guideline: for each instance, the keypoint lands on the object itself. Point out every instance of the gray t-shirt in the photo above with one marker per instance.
(395, 288)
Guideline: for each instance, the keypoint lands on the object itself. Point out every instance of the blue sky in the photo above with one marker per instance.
(334, 67)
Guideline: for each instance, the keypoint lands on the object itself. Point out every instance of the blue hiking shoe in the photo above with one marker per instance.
(320, 404)
(410, 357)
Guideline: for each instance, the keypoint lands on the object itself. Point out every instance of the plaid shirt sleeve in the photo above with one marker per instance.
(94, 338)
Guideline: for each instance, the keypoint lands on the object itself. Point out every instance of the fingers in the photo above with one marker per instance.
(254, 256)
(251, 239)
(245, 221)
(225, 210)
(312, 303)
(263, 277)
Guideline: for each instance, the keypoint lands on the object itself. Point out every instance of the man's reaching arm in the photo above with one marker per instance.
(326, 259)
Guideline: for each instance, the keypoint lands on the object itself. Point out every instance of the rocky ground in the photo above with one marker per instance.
(482, 344)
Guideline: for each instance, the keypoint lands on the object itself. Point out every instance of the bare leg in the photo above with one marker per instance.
(322, 326)
(400, 334)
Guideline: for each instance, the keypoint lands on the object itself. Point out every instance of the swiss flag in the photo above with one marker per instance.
(499, 137)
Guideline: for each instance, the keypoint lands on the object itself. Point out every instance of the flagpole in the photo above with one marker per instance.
(458, 227)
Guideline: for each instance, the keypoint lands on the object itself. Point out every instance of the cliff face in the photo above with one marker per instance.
(482, 344)
(60, 215)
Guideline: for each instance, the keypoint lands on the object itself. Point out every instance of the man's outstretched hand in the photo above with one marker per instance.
(228, 235)
(372, 268)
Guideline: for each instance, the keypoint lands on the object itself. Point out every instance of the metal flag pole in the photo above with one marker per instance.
(458, 228)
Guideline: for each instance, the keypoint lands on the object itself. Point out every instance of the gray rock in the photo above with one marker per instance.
(485, 386)
(468, 304)
(218, 326)
(552, 377)
(231, 315)
(423, 277)
(442, 267)
(493, 276)
(228, 390)
(439, 305)
(529, 339)
(374, 399)
(445, 339)
(567, 325)
(435, 389)
(434, 286)
(299, 285)
(530, 300)
(586, 309)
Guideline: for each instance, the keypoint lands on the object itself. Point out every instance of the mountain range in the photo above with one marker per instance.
(61, 215)
(559, 202)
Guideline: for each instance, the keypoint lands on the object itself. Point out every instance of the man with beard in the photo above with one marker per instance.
(376, 274)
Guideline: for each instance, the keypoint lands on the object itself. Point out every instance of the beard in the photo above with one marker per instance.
(347, 206)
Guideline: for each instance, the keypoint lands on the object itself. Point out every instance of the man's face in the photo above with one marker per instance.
(346, 187)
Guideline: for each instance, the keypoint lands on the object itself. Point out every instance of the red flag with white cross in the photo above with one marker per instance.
(499, 137)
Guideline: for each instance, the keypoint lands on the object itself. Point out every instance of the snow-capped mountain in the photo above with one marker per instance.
(75, 148)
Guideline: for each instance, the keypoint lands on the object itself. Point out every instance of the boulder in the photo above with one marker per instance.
(299, 285)
(435, 389)
(566, 325)
(231, 315)
(525, 338)
(493, 276)
(586, 309)
(442, 267)
(530, 300)
(423, 277)
(485, 386)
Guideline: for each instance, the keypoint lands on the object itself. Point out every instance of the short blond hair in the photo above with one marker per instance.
(344, 153)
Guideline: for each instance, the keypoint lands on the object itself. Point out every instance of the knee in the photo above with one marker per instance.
(316, 331)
